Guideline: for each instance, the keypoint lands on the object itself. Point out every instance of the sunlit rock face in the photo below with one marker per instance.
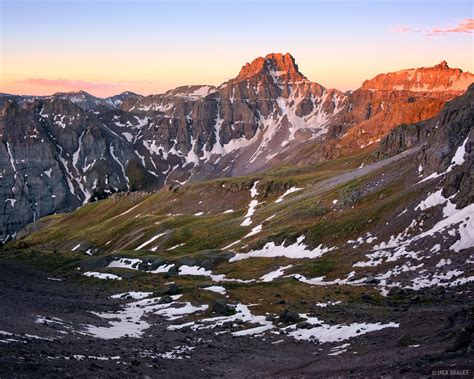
(439, 78)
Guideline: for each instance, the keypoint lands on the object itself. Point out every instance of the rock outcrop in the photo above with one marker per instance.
(56, 156)
(447, 142)
(442, 135)
(392, 99)
(439, 78)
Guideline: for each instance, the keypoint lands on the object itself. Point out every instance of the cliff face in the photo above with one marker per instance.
(55, 156)
(61, 151)
(447, 142)
(441, 135)
(403, 137)
(449, 150)
(452, 128)
(372, 114)
(392, 99)
(439, 78)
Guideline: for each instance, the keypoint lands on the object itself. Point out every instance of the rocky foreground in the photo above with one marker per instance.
(47, 323)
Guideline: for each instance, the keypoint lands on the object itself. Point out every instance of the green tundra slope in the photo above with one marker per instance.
(336, 205)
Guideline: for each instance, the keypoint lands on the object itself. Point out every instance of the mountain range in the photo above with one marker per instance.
(303, 230)
(59, 152)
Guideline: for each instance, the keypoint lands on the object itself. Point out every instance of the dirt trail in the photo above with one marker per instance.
(328, 184)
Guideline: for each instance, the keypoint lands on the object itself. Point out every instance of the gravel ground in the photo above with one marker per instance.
(428, 331)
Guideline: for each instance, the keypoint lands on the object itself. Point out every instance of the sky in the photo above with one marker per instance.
(108, 46)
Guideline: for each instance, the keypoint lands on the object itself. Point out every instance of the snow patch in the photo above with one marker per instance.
(274, 274)
(297, 250)
(323, 332)
(101, 275)
(217, 289)
(253, 204)
(287, 192)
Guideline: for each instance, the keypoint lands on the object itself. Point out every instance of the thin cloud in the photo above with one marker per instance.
(46, 86)
(464, 26)
(404, 29)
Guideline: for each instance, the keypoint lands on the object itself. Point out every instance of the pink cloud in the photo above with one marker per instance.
(464, 26)
(44, 86)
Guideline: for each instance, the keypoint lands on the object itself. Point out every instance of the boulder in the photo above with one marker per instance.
(289, 317)
(221, 307)
(173, 289)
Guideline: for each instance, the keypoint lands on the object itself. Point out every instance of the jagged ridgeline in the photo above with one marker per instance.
(62, 151)
(409, 199)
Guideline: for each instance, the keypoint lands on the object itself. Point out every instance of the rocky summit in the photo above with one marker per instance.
(268, 226)
(439, 78)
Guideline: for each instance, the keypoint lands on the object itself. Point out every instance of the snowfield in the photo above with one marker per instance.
(297, 250)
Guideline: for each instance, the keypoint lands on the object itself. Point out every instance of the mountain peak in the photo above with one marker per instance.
(436, 78)
(71, 93)
(280, 66)
(443, 64)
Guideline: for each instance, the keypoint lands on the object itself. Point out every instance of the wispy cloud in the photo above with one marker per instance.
(403, 29)
(464, 26)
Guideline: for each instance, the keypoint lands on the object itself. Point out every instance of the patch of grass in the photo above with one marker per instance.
(49, 261)
(316, 267)
(296, 295)
(252, 268)
(130, 220)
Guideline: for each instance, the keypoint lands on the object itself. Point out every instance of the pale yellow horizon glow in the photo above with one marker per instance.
(108, 73)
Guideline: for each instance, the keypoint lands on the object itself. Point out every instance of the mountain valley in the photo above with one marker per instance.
(305, 230)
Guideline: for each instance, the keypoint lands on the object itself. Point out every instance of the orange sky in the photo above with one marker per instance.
(150, 47)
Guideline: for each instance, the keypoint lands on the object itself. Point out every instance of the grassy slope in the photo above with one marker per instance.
(104, 226)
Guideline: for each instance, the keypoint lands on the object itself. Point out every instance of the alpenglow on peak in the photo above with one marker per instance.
(281, 67)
